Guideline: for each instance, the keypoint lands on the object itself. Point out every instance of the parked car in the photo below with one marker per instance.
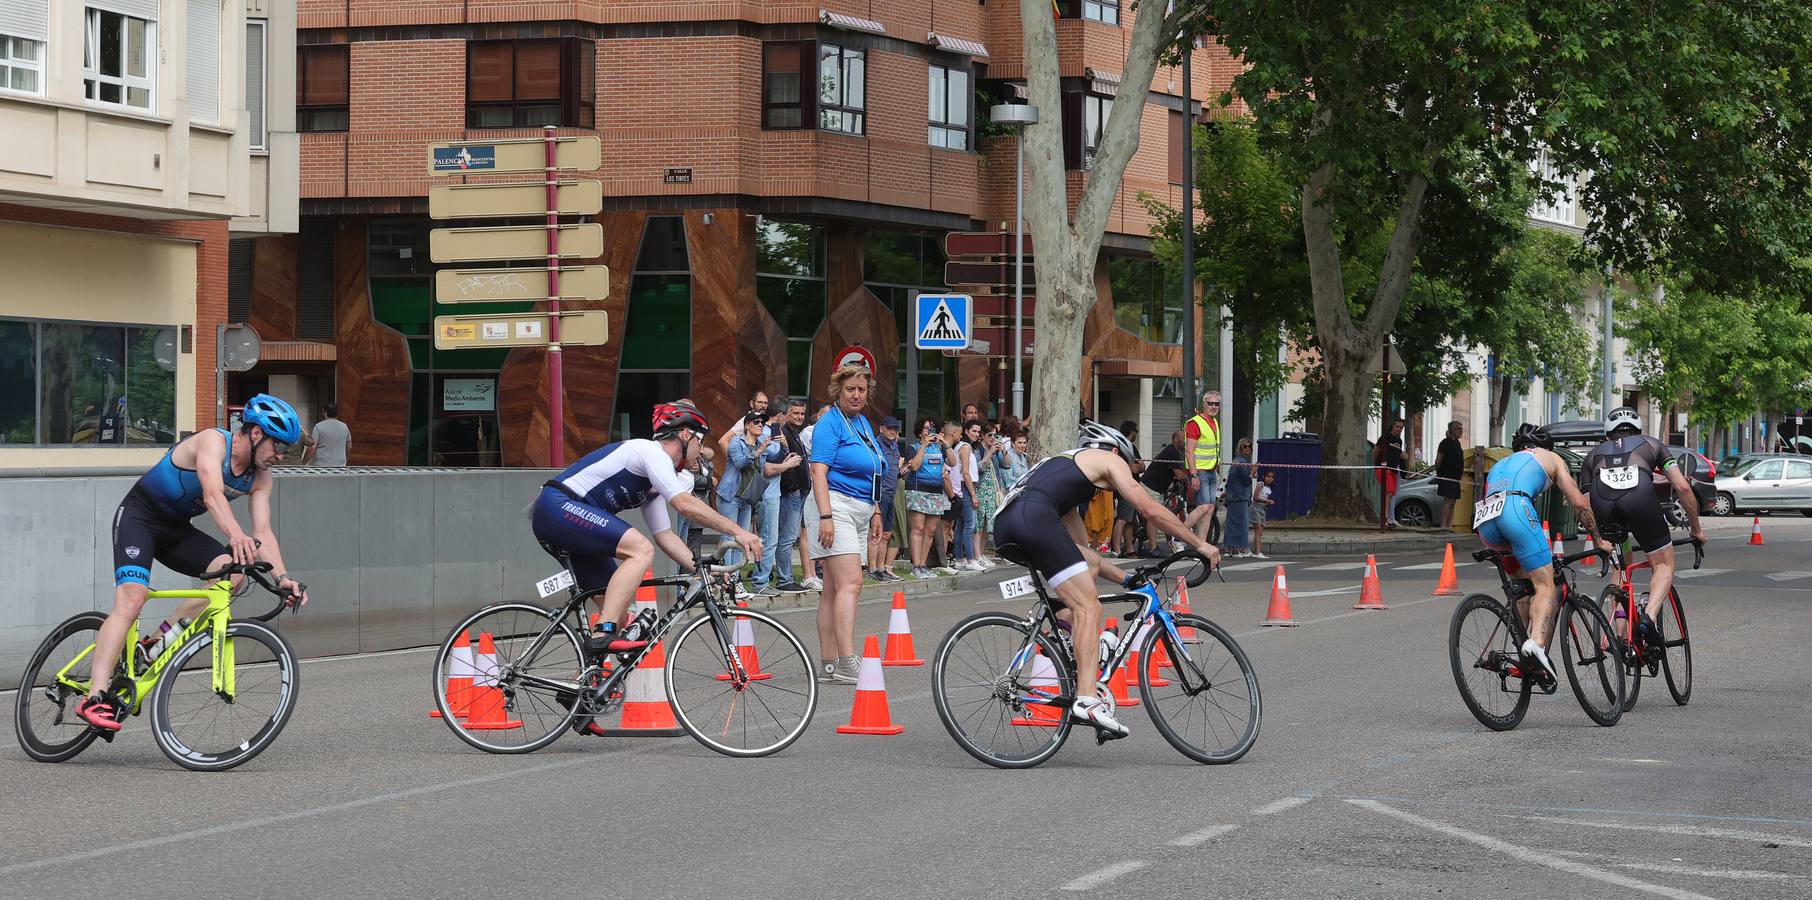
(1771, 484)
(1416, 502)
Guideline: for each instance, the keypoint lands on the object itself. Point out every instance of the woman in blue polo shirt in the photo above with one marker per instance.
(846, 476)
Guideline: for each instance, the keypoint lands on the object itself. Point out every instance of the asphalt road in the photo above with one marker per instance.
(1370, 779)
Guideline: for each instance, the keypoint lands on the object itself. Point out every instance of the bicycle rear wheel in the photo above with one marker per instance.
(757, 711)
(1610, 601)
(1594, 661)
(1211, 709)
(993, 713)
(1677, 663)
(206, 730)
(1483, 647)
(526, 693)
(44, 710)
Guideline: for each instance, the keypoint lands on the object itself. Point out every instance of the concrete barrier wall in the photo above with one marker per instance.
(392, 557)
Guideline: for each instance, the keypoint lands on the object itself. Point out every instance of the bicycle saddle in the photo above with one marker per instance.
(1011, 553)
(1614, 532)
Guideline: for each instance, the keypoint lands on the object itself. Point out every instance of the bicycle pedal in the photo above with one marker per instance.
(1103, 735)
(104, 734)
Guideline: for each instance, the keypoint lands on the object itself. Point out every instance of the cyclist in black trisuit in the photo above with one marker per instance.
(1040, 517)
(1619, 473)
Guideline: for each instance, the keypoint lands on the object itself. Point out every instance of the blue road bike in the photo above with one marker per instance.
(1003, 684)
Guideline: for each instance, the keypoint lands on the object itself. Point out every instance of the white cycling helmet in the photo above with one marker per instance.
(1101, 437)
(1622, 417)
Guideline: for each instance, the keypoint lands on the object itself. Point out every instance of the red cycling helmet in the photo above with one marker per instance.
(671, 417)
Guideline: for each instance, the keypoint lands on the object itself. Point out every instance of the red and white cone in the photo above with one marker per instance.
(899, 636)
(745, 649)
(485, 712)
(870, 713)
(459, 678)
(1043, 681)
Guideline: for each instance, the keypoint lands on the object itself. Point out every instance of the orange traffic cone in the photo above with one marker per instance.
(1043, 681)
(1117, 682)
(1187, 632)
(1755, 533)
(1152, 659)
(1450, 579)
(745, 648)
(645, 709)
(459, 679)
(1279, 613)
(1560, 546)
(1371, 591)
(899, 636)
(484, 708)
(870, 713)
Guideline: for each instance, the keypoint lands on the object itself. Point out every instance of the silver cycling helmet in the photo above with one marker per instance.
(1622, 417)
(1101, 437)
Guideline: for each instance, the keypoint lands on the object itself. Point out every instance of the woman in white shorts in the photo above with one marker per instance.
(846, 475)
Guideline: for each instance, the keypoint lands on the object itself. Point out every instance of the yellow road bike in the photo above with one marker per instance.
(219, 690)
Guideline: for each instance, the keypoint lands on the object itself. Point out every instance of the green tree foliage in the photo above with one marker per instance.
(1691, 119)
(1724, 357)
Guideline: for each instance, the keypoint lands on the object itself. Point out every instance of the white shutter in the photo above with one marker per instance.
(254, 80)
(138, 9)
(204, 60)
(24, 18)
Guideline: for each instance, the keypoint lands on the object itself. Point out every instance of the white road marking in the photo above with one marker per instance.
(1788, 576)
(1700, 573)
(1197, 838)
(1685, 830)
(1336, 567)
(1529, 855)
(1327, 593)
(1272, 809)
(1100, 877)
(1345, 615)
(1690, 871)
(1429, 567)
(1261, 564)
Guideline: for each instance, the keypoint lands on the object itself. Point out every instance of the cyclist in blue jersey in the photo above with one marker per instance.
(1506, 520)
(576, 513)
(204, 472)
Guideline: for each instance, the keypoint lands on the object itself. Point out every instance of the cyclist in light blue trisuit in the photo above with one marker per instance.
(1505, 519)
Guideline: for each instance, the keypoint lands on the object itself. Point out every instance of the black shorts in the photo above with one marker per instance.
(887, 514)
(1124, 510)
(142, 533)
(1035, 529)
(1640, 512)
(1448, 489)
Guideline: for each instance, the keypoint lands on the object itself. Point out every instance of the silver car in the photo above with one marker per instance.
(1772, 484)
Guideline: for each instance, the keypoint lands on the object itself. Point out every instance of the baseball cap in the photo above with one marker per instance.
(890, 422)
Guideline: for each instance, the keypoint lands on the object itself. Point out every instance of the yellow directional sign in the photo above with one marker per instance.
(578, 328)
(492, 285)
(450, 245)
(579, 154)
(515, 198)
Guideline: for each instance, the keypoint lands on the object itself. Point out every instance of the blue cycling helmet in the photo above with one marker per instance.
(277, 418)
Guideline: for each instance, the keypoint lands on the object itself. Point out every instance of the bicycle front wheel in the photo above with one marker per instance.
(754, 707)
(1210, 710)
(1610, 602)
(1677, 664)
(210, 728)
(1483, 646)
(1594, 662)
(44, 710)
(524, 693)
(1003, 709)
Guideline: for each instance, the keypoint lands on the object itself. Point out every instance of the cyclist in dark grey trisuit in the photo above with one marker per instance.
(1619, 473)
(1040, 517)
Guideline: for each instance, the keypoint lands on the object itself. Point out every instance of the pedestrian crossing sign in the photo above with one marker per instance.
(943, 321)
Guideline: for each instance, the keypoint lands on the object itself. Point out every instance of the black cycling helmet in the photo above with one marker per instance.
(1101, 437)
(1529, 435)
(1622, 419)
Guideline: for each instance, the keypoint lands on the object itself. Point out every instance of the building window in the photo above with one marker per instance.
(1104, 11)
(842, 88)
(782, 101)
(657, 340)
(81, 383)
(21, 64)
(323, 86)
(895, 266)
(1147, 301)
(1095, 110)
(117, 59)
(203, 65)
(530, 84)
(1559, 207)
(789, 280)
(950, 95)
(255, 80)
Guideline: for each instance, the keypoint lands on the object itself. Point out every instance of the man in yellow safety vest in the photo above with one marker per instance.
(1203, 456)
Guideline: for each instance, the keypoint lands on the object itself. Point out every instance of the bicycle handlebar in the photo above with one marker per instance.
(1147, 572)
(260, 573)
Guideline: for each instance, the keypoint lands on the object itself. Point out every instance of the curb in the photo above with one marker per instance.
(912, 587)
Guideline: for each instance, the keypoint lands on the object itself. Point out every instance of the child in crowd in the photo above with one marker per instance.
(1261, 501)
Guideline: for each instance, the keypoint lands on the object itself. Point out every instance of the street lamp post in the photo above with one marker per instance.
(1018, 116)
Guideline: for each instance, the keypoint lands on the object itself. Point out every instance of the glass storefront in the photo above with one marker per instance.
(895, 267)
(79, 383)
(789, 280)
(656, 363)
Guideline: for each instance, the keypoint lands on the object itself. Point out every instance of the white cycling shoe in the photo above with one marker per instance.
(1091, 711)
(1532, 650)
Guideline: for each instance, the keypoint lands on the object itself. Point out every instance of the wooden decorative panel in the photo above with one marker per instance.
(274, 287)
(372, 372)
(855, 317)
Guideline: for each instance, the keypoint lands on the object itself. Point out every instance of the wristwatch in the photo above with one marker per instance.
(825, 516)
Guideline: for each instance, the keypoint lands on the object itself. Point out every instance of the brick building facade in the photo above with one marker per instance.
(808, 219)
